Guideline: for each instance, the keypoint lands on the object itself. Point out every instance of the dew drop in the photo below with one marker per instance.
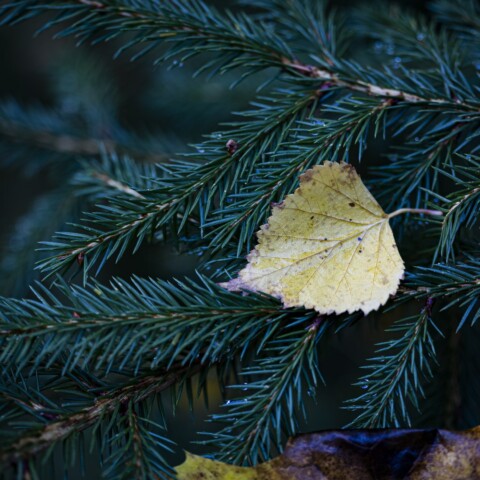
(378, 47)
(397, 62)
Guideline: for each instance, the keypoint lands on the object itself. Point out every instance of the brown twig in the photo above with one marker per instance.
(71, 145)
(365, 87)
(111, 182)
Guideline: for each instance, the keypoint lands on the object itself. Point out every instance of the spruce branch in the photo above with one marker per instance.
(403, 364)
(114, 174)
(130, 221)
(376, 90)
(147, 322)
(412, 174)
(115, 184)
(90, 308)
(136, 450)
(307, 23)
(461, 207)
(32, 442)
(396, 375)
(236, 40)
(239, 40)
(458, 284)
(273, 387)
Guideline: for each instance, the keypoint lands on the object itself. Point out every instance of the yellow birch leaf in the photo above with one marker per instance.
(328, 246)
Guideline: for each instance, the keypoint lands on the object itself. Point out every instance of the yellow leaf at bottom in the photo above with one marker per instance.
(196, 468)
(328, 246)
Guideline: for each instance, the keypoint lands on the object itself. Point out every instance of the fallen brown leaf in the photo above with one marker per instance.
(358, 455)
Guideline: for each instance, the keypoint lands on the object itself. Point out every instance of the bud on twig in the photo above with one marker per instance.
(232, 146)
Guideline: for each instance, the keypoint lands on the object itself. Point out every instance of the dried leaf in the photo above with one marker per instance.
(328, 246)
(360, 455)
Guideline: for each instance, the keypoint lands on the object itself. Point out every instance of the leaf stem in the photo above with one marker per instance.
(415, 210)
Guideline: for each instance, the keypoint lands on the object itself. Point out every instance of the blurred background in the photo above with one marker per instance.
(150, 112)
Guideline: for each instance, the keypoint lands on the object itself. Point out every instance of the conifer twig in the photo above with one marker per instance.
(37, 440)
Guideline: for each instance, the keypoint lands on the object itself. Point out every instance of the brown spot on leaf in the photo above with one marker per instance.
(307, 176)
(349, 169)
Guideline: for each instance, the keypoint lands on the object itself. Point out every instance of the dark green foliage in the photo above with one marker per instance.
(89, 368)
(398, 371)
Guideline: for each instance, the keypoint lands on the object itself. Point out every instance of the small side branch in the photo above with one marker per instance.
(38, 440)
(365, 87)
(115, 184)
